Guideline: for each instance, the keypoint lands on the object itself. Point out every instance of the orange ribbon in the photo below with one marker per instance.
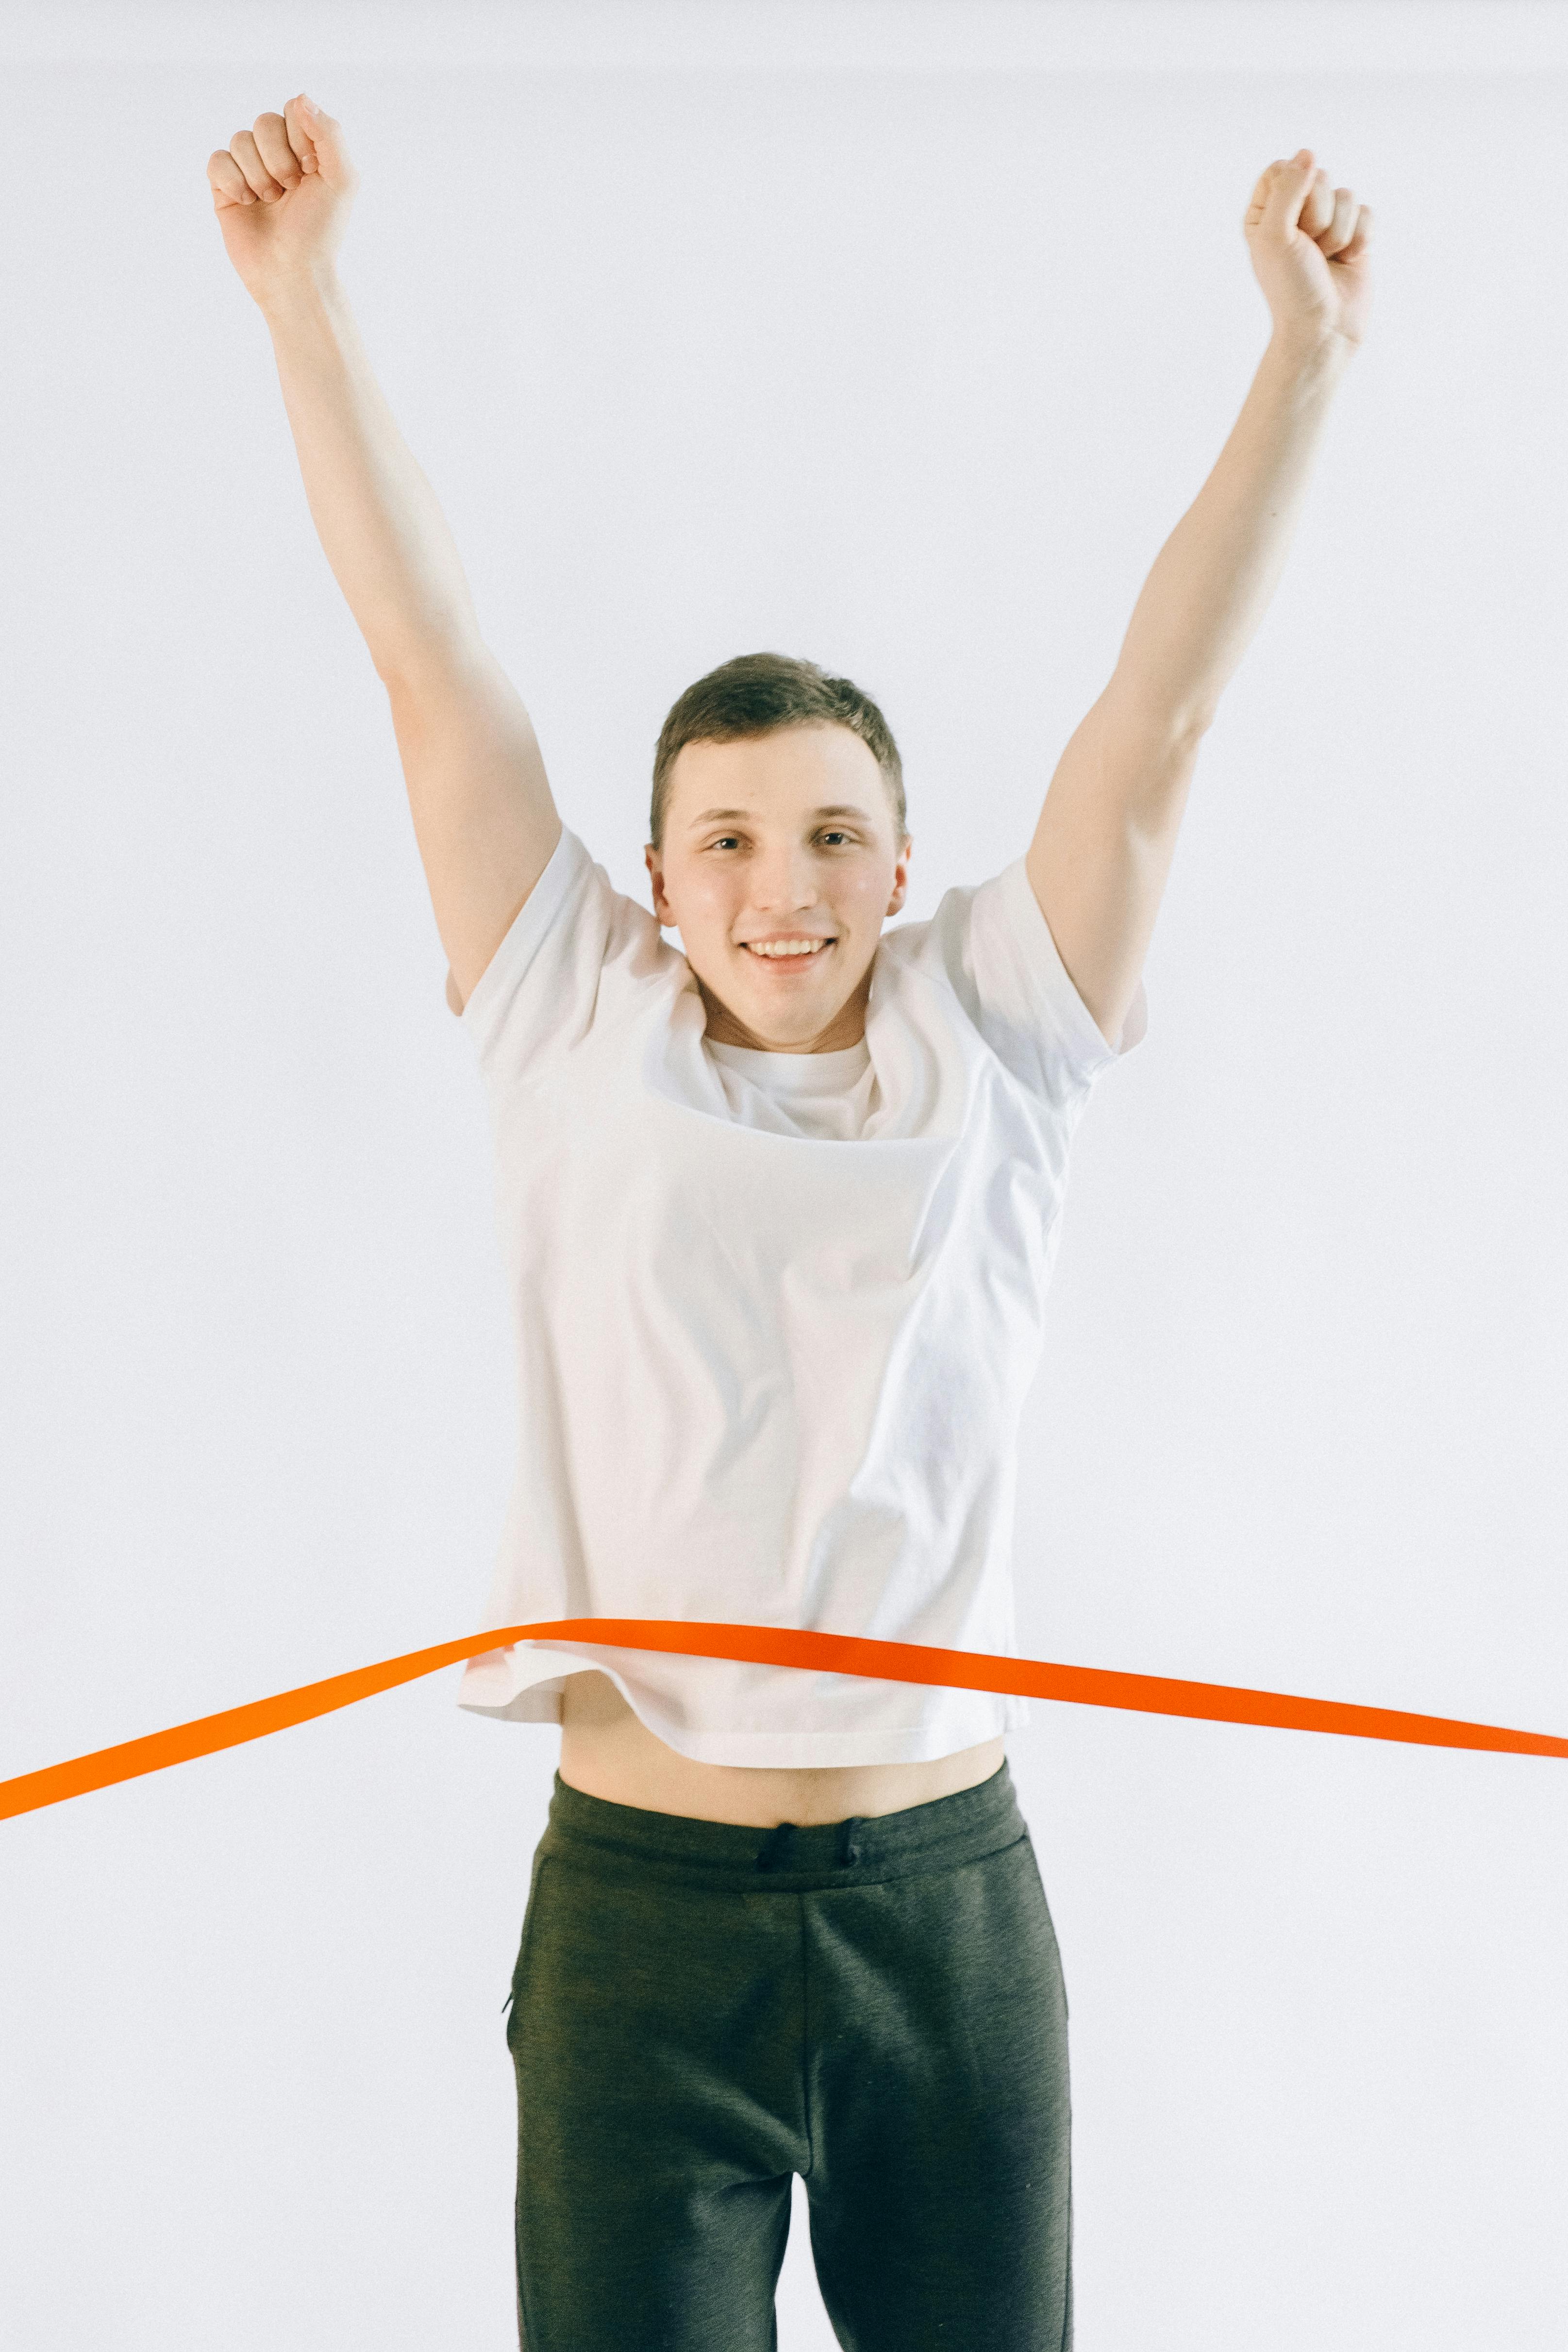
(766, 1645)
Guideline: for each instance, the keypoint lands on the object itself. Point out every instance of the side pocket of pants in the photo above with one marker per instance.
(1040, 1883)
(531, 1913)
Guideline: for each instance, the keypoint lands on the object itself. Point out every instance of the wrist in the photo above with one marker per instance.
(1309, 351)
(305, 292)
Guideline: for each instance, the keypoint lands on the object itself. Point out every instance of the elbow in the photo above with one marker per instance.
(415, 665)
(1163, 726)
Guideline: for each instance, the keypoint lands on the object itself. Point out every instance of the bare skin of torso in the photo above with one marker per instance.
(606, 1751)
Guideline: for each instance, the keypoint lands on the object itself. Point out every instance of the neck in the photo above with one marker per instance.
(847, 1027)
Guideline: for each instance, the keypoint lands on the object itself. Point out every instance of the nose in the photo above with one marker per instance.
(783, 881)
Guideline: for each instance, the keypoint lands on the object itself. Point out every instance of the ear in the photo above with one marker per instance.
(901, 879)
(661, 906)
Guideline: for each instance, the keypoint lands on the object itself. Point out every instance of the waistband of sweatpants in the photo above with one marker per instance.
(939, 1835)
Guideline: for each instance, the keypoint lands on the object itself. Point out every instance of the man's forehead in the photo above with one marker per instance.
(796, 772)
(812, 744)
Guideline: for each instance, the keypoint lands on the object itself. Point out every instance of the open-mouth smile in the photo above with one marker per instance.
(788, 955)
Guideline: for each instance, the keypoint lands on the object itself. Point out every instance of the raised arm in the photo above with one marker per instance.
(483, 815)
(1102, 852)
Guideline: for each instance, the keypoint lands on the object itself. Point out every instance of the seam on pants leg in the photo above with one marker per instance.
(805, 2043)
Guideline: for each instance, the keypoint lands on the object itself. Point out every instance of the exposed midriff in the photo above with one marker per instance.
(606, 1750)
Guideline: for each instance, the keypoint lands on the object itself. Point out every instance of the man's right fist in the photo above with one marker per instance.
(281, 192)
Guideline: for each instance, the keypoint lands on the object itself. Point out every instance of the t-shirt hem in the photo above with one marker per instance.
(807, 1751)
(948, 1721)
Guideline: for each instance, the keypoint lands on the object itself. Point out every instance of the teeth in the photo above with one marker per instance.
(786, 947)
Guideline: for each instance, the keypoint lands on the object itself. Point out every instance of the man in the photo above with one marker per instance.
(778, 1212)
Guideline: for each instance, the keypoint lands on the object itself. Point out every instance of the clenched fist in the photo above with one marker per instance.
(1309, 244)
(281, 192)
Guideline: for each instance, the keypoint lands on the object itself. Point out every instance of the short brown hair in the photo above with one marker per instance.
(758, 693)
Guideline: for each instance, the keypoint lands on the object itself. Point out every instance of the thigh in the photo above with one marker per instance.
(650, 2034)
(941, 2189)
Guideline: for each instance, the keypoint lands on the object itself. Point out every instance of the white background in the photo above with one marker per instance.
(899, 337)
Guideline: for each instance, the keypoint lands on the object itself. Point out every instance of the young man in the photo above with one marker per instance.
(778, 1215)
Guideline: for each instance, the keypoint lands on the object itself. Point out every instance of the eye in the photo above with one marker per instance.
(828, 834)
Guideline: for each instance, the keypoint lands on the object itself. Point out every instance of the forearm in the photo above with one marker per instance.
(1212, 580)
(380, 525)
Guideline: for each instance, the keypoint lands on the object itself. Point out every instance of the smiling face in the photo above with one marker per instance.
(773, 840)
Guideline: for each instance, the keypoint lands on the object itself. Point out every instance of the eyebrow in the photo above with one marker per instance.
(838, 808)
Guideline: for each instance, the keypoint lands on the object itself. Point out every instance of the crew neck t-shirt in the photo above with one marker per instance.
(775, 1315)
(823, 1094)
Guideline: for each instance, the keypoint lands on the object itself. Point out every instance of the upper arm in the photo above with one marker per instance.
(483, 813)
(1102, 849)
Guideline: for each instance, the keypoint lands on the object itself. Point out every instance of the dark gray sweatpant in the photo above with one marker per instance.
(700, 2010)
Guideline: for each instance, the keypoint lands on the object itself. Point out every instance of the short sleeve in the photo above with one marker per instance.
(544, 986)
(994, 946)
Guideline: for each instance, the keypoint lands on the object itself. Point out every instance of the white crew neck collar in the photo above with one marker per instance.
(796, 1074)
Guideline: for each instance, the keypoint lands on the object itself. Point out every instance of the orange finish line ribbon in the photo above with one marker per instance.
(767, 1646)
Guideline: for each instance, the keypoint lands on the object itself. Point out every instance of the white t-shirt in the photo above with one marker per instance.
(776, 1313)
